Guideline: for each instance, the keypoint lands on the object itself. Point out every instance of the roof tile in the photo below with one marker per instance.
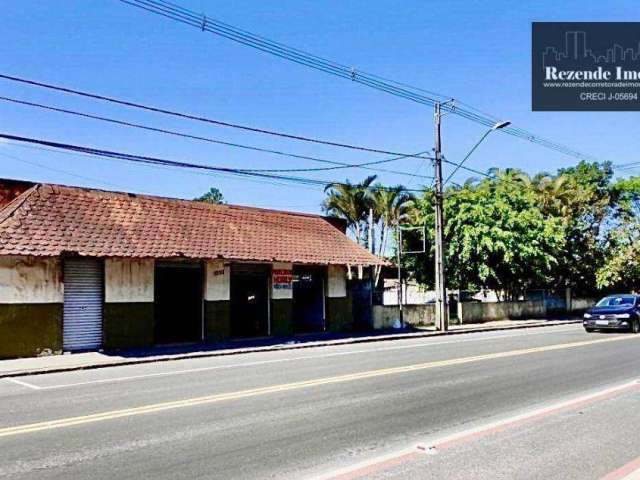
(51, 219)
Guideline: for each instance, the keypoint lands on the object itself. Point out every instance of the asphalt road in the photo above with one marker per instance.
(339, 412)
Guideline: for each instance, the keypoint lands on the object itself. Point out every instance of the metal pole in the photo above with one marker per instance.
(442, 321)
(371, 232)
(399, 253)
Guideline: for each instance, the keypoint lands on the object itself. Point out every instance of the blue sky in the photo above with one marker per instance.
(478, 52)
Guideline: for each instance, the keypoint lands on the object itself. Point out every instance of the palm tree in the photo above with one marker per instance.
(554, 192)
(391, 207)
(350, 202)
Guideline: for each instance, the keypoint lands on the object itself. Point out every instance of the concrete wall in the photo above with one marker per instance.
(128, 280)
(412, 293)
(128, 325)
(339, 314)
(281, 299)
(582, 304)
(217, 301)
(217, 321)
(282, 281)
(336, 281)
(128, 315)
(338, 305)
(30, 280)
(476, 312)
(281, 317)
(385, 316)
(31, 295)
(217, 281)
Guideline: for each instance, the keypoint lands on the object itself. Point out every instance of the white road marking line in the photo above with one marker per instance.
(432, 445)
(24, 384)
(289, 359)
(287, 387)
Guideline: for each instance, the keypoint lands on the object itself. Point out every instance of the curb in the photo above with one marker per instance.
(223, 353)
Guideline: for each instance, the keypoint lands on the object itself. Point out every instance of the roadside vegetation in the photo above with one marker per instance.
(578, 227)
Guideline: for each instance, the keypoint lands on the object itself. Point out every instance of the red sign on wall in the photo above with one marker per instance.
(282, 279)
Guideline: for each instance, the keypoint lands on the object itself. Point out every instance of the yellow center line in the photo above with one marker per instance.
(223, 397)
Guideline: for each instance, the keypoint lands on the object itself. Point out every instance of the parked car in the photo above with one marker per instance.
(614, 312)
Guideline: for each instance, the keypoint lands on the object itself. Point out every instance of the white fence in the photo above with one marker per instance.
(387, 316)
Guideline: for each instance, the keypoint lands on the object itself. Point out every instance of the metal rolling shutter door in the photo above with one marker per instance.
(82, 325)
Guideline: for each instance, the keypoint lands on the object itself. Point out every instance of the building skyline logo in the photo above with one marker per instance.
(576, 49)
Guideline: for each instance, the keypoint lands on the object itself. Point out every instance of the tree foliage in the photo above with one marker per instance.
(577, 228)
(212, 196)
(353, 203)
(620, 268)
(496, 235)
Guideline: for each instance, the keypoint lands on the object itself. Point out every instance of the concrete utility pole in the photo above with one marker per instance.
(399, 254)
(442, 311)
(370, 236)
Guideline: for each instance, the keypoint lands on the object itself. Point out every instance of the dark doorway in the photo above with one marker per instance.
(178, 302)
(308, 299)
(249, 300)
(362, 306)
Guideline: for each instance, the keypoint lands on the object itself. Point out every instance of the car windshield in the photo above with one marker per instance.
(616, 301)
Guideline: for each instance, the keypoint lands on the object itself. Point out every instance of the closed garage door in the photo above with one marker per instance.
(82, 329)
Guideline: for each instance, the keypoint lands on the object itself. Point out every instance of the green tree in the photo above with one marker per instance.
(585, 204)
(350, 202)
(620, 269)
(496, 235)
(391, 207)
(212, 196)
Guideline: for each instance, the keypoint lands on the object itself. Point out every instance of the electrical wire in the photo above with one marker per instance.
(219, 122)
(57, 170)
(180, 14)
(178, 164)
(203, 119)
(338, 165)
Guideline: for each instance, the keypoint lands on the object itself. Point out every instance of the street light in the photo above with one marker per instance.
(496, 126)
(442, 314)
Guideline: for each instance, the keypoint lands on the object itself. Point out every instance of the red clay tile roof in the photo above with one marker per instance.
(48, 220)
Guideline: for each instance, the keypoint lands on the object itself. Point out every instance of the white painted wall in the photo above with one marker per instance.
(279, 272)
(128, 280)
(337, 281)
(30, 280)
(217, 281)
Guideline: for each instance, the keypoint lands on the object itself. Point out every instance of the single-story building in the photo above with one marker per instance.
(86, 269)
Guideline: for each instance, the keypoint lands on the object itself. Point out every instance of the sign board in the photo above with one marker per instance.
(282, 279)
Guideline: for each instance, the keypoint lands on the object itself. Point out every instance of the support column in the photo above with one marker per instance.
(128, 303)
(31, 296)
(217, 301)
(282, 299)
(339, 312)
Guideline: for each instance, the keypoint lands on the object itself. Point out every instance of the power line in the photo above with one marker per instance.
(175, 163)
(211, 25)
(226, 124)
(338, 165)
(626, 166)
(57, 170)
(204, 119)
(160, 167)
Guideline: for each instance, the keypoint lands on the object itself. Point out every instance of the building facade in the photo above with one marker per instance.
(84, 269)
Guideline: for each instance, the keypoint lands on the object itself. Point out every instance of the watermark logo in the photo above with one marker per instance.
(585, 66)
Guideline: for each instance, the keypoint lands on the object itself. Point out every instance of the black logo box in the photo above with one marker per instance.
(585, 66)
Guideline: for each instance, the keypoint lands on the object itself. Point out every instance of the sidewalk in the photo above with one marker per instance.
(90, 360)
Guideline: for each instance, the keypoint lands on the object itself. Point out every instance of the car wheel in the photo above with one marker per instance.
(635, 326)
(588, 330)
